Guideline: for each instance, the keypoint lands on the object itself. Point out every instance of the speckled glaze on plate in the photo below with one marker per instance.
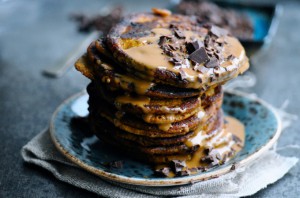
(262, 130)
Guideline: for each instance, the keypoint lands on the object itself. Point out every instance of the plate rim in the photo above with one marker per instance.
(172, 181)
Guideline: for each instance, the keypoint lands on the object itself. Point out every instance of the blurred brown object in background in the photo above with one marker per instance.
(207, 12)
(98, 22)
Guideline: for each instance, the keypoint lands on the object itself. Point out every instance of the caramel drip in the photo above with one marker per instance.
(171, 117)
(140, 101)
(165, 127)
(140, 86)
(222, 142)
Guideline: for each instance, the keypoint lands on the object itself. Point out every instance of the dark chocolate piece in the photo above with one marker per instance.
(162, 40)
(199, 56)
(213, 62)
(179, 34)
(193, 46)
(233, 167)
(178, 165)
(218, 31)
(183, 173)
(163, 171)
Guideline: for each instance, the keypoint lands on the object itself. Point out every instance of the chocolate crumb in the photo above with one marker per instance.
(233, 167)
(230, 57)
(177, 165)
(182, 74)
(193, 46)
(183, 173)
(218, 31)
(163, 171)
(179, 34)
(208, 150)
(213, 62)
(162, 40)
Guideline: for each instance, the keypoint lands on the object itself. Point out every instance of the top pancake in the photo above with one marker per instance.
(176, 50)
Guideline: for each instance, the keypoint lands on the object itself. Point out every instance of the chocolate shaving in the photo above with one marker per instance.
(163, 171)
(199, 56)
(230, 57)
(193, 46)
(162, 40)
(233, 167)
(218, 31)
(177, 165)
(172, 47)
(183, 173)
(213, 62)
(179, 34)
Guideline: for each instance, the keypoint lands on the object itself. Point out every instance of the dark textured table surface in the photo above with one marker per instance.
(36, 33)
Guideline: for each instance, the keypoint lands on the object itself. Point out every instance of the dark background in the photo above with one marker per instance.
(35, 34)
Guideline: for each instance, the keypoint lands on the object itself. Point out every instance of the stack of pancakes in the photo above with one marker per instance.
(156, 92)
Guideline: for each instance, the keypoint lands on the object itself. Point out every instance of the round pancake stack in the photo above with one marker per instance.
(156, 90)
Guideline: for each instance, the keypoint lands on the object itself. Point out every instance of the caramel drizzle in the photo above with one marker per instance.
(151, 57)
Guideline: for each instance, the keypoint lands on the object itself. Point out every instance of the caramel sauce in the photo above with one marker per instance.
(171, 117)
(140, 101)
(151, 56)
(222, 142)
(140, 86)
(165, 127)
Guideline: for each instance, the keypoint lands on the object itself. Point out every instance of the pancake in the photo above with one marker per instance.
(155, 154)
(133, 124)
(156, 91)
(158, 48)
(143, 104)
(104, 126)
(99, 67)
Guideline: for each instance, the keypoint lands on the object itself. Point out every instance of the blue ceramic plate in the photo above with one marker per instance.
(260, 120)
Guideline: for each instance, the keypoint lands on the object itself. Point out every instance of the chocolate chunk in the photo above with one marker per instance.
(175, 59)
(167, 50)
(163, 171)
(183, 173)
(218, 31)
(213, 62)
(178, 165)
(162, 40)
(230, 57)
(172, 47)
(208, 150)
(233, 167)
(199, 56)
(173, 25)
(116, 164)
(207, 159)
(179, 34)
(183, 74)
(193, 46)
